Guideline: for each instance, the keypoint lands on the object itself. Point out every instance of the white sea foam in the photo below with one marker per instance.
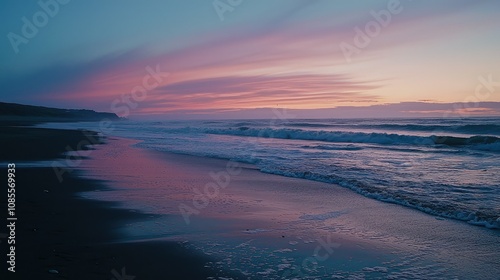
(445, 167)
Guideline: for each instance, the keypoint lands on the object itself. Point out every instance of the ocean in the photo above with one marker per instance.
(444, 167)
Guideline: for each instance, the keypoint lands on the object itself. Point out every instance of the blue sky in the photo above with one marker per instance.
(255, 54)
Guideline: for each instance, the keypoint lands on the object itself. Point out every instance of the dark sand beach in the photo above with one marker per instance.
(62, 236)
(121, 212)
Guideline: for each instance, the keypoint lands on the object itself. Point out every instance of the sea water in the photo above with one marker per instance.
(444, 167)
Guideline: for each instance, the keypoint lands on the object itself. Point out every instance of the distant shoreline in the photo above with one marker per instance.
(27, 113)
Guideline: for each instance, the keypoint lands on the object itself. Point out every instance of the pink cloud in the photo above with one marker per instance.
(251, 67)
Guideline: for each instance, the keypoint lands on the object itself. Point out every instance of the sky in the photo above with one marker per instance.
(215, 58)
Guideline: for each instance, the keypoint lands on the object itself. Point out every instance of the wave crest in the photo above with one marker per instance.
(489, 143)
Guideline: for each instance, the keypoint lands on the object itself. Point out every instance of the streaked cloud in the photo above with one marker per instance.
(287, 57)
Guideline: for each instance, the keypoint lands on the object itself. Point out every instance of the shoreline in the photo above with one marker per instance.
(59, 235)
(121, 210)
(475, 216)
(282, 214)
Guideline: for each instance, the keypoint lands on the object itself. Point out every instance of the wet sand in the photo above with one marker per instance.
(59, 235)
(120, 213)
(266, 226)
